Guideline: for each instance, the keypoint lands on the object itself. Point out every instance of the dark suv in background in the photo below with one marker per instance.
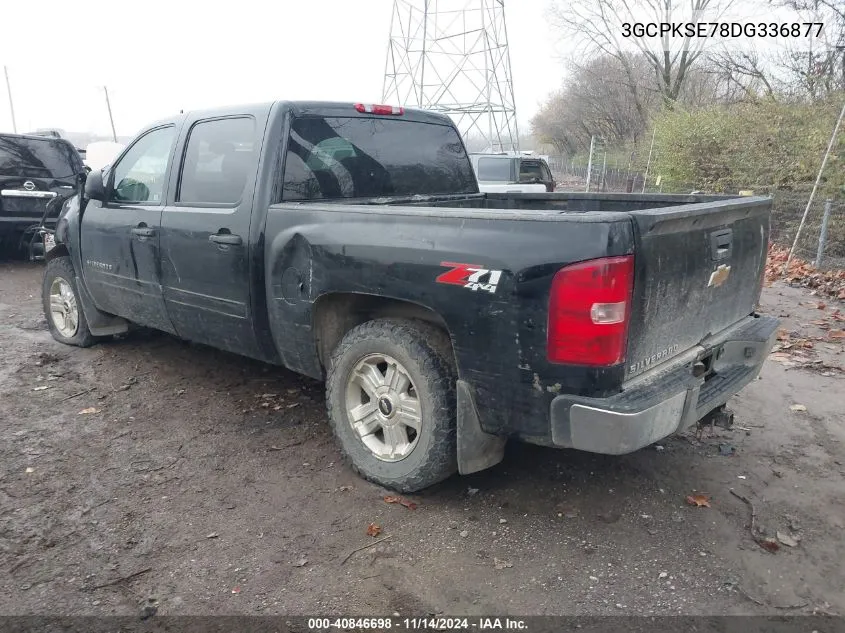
(536, 171)
(37, 174)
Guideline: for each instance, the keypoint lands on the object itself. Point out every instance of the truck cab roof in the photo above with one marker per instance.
(306, 108)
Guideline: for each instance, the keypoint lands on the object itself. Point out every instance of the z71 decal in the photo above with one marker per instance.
(470, 276)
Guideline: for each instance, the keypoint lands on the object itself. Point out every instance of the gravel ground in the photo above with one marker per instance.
(204, 483)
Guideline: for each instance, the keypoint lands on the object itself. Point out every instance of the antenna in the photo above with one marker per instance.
(11, 104)
(111, 118)
(452, 56)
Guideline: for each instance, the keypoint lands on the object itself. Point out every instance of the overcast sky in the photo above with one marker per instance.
(158, 57)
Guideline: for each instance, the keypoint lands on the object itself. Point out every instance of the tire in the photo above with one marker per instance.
(60, 275)
(402, 351)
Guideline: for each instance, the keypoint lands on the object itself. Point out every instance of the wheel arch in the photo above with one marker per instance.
(335, 314)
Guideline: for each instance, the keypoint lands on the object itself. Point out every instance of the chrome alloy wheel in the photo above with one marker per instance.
(64, 310)
(383, 407)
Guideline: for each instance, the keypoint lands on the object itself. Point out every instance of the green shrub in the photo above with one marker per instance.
(763, 146)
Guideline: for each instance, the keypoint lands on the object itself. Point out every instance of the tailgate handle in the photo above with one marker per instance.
(721, 243)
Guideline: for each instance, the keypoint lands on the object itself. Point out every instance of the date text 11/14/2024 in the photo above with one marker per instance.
(417, 624)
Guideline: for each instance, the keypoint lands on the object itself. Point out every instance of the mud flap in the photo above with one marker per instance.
(100, 323)
(477, 450)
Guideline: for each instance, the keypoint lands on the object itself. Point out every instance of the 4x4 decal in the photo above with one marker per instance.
(470, 276)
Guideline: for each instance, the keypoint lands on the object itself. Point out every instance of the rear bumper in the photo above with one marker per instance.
(668, 398)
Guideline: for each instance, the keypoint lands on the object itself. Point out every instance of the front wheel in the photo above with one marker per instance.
(391, 401)
(62, 308)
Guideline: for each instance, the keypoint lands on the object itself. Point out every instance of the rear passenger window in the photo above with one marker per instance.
(495, 169)
(218, 160)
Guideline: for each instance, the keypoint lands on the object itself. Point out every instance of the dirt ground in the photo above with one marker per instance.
(204, 483)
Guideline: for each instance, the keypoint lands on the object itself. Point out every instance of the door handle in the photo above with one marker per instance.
(142, 231)
(225, 238)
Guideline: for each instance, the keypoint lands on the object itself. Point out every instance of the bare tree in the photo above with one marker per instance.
(598, 27)
(812, 68)
(595, 101)
(747, 71)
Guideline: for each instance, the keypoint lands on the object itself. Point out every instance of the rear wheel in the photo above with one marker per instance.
(62, 308)
(391, 400)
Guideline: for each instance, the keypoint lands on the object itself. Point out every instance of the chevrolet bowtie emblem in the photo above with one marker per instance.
(718, 276)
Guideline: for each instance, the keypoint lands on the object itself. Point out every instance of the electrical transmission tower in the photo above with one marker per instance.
(452, 56)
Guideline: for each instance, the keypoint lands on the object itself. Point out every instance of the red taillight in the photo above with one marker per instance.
(379, 109)
(589, 310)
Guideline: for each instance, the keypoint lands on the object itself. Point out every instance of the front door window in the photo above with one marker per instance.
(139, 176)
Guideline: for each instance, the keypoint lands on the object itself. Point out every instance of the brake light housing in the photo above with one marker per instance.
(367, 108)
(589, 312)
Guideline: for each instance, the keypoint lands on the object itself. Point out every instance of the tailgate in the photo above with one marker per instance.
(699, 269)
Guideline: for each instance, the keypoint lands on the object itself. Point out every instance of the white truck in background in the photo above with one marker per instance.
(512, 173)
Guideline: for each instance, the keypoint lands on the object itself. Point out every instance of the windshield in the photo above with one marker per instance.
(356, 157)
(38, 158)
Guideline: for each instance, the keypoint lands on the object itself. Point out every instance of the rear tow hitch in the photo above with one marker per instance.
(721, 417)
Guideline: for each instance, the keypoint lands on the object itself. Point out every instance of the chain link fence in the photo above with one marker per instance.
(821, 245)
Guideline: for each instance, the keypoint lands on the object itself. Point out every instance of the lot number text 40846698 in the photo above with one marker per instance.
(417, 624)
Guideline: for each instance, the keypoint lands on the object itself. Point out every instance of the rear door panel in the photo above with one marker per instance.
(206, 228)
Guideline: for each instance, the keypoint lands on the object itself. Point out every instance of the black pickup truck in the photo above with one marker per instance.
(349, 242)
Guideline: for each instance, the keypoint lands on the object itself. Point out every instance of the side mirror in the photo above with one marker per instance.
(94, 187)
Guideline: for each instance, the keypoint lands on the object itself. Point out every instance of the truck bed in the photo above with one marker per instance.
(684, 244)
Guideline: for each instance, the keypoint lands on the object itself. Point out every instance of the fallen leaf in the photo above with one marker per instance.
(699, 501)
(768, 544)
(501, 564)
(821, 306)
(836, 334)
(798, 407)
(373, 530)
(89, 410)
(786, 539)
(783, 335)
(783, 358)
(400, 500)
(236, 590)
